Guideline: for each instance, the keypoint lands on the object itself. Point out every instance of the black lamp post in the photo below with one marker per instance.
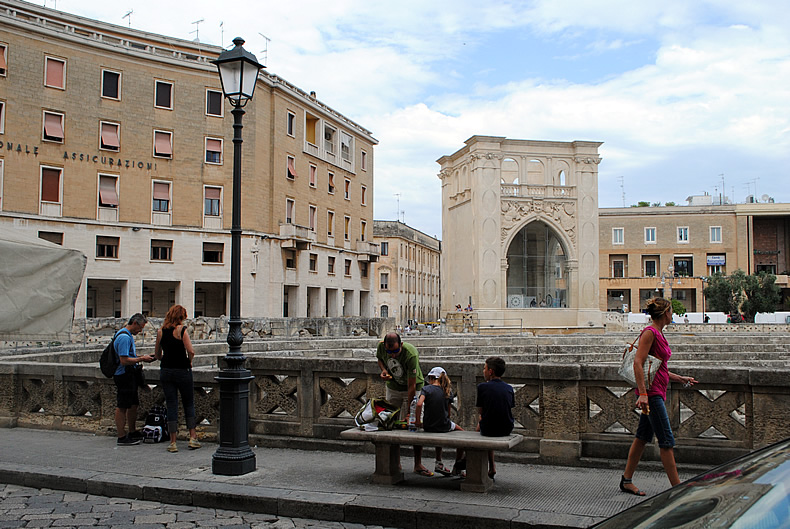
(238, 72)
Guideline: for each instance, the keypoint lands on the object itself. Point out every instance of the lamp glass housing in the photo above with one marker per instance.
(238, 73)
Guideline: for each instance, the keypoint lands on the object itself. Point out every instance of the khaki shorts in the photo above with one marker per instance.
(398, 398)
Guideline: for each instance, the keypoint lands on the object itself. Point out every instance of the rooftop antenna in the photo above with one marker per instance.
(197, 29)
(265, 50)
(755, 179)
(222, 34)
(723, 189)
(622, 187)
(397, 212)
(129, 16)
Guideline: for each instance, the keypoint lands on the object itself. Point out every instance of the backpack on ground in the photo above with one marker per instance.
(155, 429)
(109, 360)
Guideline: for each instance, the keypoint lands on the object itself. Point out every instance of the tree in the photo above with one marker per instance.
(741, 293)
(642, 204)
(670, 204)
(677, 307)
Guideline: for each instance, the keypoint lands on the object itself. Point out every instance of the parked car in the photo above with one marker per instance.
(752, 491)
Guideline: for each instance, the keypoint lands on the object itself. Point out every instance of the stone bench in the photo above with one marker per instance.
(388, 443)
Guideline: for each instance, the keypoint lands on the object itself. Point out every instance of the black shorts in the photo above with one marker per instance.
(127, 390)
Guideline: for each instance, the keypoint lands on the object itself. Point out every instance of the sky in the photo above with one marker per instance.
(688, 97)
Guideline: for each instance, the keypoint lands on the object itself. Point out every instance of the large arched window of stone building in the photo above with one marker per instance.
(536, 276)
(385, 311)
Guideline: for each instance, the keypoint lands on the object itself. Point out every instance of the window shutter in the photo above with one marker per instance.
(107, 193)
(109, 135)
(213, 193)
(161, 191)
(162, 144)
(50, 185)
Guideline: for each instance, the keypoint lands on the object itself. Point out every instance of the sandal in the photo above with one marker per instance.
(441, 469)
(634, 491)
(423, 472)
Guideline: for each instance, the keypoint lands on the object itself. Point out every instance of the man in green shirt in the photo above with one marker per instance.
(400, 367)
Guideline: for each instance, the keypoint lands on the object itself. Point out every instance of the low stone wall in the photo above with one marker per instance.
(567, 412)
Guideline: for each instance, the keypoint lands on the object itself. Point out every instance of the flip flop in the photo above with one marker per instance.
(424, 472)
(624, 482)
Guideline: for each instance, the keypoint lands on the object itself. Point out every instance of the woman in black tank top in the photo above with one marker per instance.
(174, 350)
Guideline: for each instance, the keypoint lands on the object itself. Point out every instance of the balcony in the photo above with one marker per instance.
(297, 237)
(367, 251)
(533, 191)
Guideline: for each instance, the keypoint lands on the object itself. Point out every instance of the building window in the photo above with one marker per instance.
(347, 268)
(53, 127)
(109, 136)
(346, 147)
(50, 190)
(107, 247)
(290, 170)
(110, 84)
(55, 73)
(364, 160)
(364, 196)
(214, 151)
(650, 235)
(2, 117)
(213, 103)
(3, 60)
(331, 183)
(52, 236)
(715, 269)
(290, 122)
(683, 234)
(385, 248)
(313, 177)
(313, 262)
(163, 144)
(330, 265)
(347, 229)
(347, 189)
(289, 211)
(329, 139)
(108, 191)
(330, 223)
(211, 201)
(163, 95)
(2, 166)
(618, 269)
(212, 252)
(650, 268)
(313, 212)
(290, 258)
(161, 197)
(618, 235)
(715, 234)
(363, 230)
(684, 266)
(384, 281)
(363, 269)
(161, 250)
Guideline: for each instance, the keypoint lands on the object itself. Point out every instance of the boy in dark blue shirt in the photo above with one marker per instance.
(495, 401)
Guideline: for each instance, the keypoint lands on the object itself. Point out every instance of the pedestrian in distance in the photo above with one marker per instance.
(495, 402)
(652, 402)
(128, 378)
(174, 350)
(435, 399)
(400, 368)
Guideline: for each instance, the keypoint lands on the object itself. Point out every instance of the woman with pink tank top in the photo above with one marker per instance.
(654, 419)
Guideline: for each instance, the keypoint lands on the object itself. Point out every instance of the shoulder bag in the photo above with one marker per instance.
(626, 370)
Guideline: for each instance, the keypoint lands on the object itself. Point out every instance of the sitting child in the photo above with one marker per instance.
(435, 399)
(495, 401)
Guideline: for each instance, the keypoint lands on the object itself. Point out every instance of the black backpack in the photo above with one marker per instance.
(155, 429)
(109, 360)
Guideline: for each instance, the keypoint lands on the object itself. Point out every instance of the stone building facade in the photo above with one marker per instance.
(519, 225)
(118, 143)
(408, 273)
(670, 251)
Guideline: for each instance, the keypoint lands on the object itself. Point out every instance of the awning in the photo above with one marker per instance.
(53, 125)
(107, 193)
(109, 135)
(161, 191)
(162, 144)
(291, 168)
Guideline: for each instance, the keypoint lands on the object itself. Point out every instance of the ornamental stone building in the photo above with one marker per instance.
(520, 232)
(118, 143)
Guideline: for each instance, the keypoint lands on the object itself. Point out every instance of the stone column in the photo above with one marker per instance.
(560, 403)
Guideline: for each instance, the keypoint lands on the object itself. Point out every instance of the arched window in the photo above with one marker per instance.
(385, 311)
(562, 178)
(536, 268)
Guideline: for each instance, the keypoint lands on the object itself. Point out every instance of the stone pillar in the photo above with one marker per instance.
(561, 444)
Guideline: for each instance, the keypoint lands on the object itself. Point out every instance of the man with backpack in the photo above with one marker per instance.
(127, 379)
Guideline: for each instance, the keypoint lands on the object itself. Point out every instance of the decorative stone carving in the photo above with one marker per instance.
(276, 394)
(560, 212)
(338, 397)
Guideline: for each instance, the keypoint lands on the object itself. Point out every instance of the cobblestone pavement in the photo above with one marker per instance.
(28, 507)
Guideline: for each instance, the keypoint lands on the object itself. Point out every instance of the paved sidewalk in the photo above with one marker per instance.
(319, 485)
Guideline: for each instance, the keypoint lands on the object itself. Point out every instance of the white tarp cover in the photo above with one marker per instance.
(39, 282)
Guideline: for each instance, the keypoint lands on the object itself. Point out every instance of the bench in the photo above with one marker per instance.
(388, 443)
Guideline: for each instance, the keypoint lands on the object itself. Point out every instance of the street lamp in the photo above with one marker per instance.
(238, 73)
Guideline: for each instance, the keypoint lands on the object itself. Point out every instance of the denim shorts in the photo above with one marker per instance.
(657, 423)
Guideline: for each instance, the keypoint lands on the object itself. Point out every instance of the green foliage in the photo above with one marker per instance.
(670, 204)
(642, 204)
(747, 294)
(677, 307)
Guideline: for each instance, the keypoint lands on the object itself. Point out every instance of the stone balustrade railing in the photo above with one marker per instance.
(567, 412)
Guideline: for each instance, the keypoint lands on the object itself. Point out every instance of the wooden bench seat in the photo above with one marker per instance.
(388, 443)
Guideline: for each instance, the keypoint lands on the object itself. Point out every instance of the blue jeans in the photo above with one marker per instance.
(175, 381)
(656, 423)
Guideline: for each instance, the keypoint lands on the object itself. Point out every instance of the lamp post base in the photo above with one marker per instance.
(233, 462)
(233, 457)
